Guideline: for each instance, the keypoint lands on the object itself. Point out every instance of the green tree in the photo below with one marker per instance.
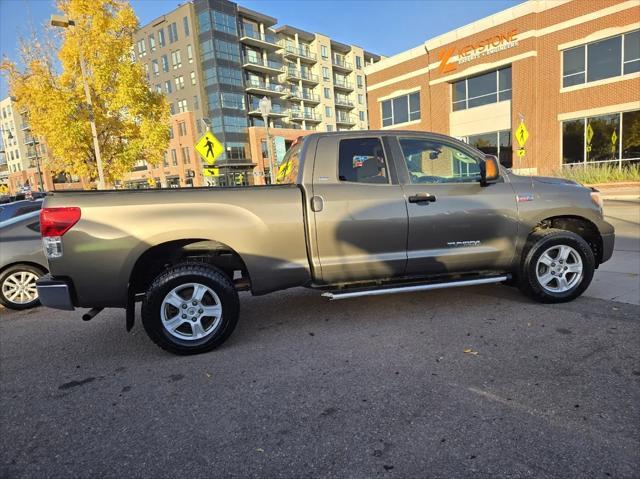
(132, 120)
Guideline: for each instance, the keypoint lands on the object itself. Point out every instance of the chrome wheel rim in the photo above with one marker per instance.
(191, 311)
(559, 269)
(20, 287)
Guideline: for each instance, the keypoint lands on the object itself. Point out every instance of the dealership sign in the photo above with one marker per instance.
(489, 46)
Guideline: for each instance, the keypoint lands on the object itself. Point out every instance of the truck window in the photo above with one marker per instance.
(361, 160)
(430, 161)
(288, 169)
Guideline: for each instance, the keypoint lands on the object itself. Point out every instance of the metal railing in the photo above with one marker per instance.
(293, 73)
(275, 87)
(300, 52)
(341, 102)
(343, 84)
(341, 63)
(346, 119)
(260, 62)
(266, 37)
(303, 115)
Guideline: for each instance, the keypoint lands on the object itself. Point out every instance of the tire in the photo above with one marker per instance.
(20, 279)
(190, 308)
(557, 266)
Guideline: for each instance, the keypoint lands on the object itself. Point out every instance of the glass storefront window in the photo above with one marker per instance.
(603, 59)
(496, 143)
(606, 138)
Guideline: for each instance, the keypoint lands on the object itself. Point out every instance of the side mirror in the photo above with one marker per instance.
(489, 170)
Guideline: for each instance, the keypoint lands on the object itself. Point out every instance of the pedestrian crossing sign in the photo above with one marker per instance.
(209, 148)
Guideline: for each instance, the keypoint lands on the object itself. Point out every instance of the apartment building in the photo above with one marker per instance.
(216, 60)
(568, 70)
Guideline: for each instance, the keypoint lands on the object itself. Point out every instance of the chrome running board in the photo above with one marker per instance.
(413, 288)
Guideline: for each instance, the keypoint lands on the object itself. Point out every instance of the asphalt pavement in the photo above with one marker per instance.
(466, 382)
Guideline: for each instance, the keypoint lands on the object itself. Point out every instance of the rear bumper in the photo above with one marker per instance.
(55, 293)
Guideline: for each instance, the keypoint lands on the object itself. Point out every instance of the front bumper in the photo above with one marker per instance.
(55, 293)
(608, 242)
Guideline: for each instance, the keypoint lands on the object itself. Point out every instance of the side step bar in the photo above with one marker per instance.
(413, 288)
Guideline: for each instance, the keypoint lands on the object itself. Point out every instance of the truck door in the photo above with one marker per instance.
(455, 224)
(359, 226)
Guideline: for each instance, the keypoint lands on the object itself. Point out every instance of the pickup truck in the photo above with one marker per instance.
(355, 214)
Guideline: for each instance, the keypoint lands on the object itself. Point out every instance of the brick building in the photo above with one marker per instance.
(568, 69)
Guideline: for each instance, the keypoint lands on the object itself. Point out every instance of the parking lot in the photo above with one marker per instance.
(477, 381)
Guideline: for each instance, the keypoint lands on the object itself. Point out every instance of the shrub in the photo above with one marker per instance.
(605, 173)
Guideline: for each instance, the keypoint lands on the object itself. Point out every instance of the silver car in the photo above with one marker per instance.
(22, 261)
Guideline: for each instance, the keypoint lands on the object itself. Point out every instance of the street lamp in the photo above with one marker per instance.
(63, 21)
(265, 108)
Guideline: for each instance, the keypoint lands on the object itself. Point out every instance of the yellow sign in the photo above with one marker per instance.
(283, 171)
(209, 148)
(522, 134)
(210, 171)
(151, 182)
(614, 138)
(589, 134)
(521, 152)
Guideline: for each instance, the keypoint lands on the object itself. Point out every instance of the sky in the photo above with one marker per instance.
(385, 27)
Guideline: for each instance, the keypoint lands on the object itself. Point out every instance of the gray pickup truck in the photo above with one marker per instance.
(357, 214)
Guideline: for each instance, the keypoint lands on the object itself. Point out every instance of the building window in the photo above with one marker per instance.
(193, 78)
(182, 128)
(196, 103)
(358, 62)
(491, 87)
(324, 52)
(227, 50)
(142, 49)
(165, 160)
(401, 109)
(165, 63)
(325, 73)
(362, 160)
(608, 58)
(361, 115)
(233, 100)
(496, 143)
(225, 23)
(156, 67)
(204, 21)
(602, 139)
(360, 99)
(170, 132)
(152, 43)
(329, 127)
(327, 111)
(173, 33)
(158, 88)
(327, 92)
(185, 24)
(179, 82)
(167, 86)
(189, 53)
(176, 59)
(182, 106)
(174, 158)
(172, 108)
(161, 40)
(359, 81)
(186, 157)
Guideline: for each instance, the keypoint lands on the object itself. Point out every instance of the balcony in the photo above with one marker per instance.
(277, 111)
(342, 85)
(293, 74)
(341, 65)
(303, 54)
(257, 87)
(299, 115)
(257, 39)
(297, 95)
(345, 120)
(259, 65)
(342, 103)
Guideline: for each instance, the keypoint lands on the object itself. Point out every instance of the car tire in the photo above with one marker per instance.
(557, 266)
(190, 308)
(20, 279)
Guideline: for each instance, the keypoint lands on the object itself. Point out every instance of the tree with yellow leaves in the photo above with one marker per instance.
(132, 120)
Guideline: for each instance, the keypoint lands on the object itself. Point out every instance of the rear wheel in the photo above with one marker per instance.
(558, 266)
(18, 286)
(190, 308)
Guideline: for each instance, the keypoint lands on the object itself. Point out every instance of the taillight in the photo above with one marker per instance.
(54, 222)
(57, 221)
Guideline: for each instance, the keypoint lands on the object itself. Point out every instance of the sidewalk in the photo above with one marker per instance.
(619, 278)
(619, 191)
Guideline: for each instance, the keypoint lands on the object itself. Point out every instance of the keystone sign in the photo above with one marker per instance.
(489, 46)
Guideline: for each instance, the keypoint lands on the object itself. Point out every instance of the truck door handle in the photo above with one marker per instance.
(422, 198)
(316, 203)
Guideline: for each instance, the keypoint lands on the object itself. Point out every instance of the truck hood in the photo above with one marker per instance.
(553, 180)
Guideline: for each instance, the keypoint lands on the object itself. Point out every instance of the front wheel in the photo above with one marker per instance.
(557, 267)
(190, 308)
(18, 286)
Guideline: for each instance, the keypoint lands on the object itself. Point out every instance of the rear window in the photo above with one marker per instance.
(288, 169)
(361, 160)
